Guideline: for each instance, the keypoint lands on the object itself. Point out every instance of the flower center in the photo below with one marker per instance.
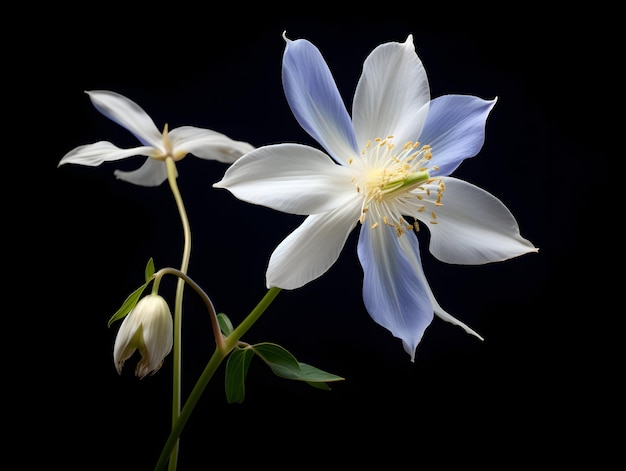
(397, 183)
(168, 149)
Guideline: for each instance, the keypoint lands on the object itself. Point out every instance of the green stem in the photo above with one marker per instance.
(209, 370)
(178, 306)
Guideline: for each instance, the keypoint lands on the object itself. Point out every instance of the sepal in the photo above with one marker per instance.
(133, 298)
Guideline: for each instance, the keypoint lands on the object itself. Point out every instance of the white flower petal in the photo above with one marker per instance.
(208, 144)
(95, 154)
(453, 320)
(315, 101)
(291, 178)
(474, 227)
(394, 294)
(151, 173)
(124, 345)
(412, 252)
(158, 334)
(310, 250)
(128, 114)
(455, 129)
(148, 328)
(392, 95)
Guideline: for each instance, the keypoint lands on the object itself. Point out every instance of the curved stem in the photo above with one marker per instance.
(219, 337)
(210, 369)
(178, 305)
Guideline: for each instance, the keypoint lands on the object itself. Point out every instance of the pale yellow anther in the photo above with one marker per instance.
(393, 180)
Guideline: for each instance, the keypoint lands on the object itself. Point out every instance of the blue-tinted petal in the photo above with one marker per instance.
(394, 290)
(315, 101)
(455, 129)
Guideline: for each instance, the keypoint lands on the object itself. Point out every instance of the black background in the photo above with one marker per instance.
(502, 401)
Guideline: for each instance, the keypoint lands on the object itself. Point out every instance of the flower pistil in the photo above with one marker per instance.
(168, 149)
(392, 182)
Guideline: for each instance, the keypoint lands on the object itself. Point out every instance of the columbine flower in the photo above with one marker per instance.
(176, 143)
(148, 328)
(390, 173)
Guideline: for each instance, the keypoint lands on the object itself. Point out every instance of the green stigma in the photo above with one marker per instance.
(409, 182)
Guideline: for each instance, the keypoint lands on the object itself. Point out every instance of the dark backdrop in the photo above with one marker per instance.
(496, 402)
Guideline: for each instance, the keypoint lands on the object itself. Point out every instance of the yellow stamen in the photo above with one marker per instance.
(391, 178)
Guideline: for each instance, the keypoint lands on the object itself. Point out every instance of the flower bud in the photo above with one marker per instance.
(148, 328)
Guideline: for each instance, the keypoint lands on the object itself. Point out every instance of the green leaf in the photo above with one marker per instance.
(311, 374)
(323, 386)
(235, 375)
(149, 270)
(282, 363)
(285, 365)
(128, 305)
(226, 326)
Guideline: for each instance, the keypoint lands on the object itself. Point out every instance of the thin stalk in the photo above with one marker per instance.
(209, 370)
(178, 306)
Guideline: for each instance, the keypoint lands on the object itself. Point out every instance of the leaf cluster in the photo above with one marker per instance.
(282, 363)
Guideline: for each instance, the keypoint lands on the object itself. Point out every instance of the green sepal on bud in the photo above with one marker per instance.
(149, 271)
(133, 298)
(282, 364)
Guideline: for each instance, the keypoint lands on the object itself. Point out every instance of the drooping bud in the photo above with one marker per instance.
(149, 328)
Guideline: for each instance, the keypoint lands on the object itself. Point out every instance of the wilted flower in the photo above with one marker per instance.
(388, 169)
(148, 328)
(176, 143)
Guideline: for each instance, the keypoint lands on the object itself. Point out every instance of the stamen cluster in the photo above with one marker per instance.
(396, 184)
